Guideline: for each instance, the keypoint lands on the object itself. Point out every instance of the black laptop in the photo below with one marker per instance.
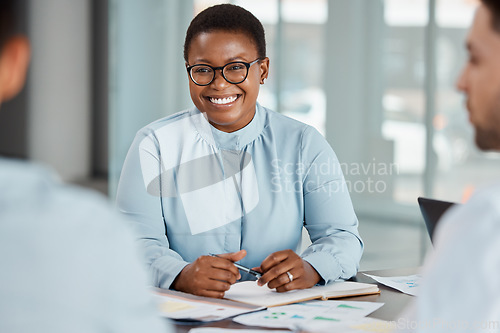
(432, 210)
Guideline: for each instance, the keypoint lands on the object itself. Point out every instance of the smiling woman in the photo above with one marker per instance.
(205, 180)
(229, 95)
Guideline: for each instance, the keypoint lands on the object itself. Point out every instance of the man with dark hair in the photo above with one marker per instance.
(461, 287)
(494, 7)
(68, 262)
(15, 53)
(480, 80)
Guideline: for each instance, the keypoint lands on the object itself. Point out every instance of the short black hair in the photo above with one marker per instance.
(227, 17)
(494, 7)
(7, 20)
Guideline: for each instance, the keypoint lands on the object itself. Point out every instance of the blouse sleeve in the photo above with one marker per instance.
(139, 198)
(328, 212)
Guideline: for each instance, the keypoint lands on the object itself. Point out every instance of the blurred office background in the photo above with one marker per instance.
(376, 77)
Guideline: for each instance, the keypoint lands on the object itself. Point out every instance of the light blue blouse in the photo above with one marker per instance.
(192, 190)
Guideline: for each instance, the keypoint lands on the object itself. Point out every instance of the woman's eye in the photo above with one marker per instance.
(236, 67)
(202, 70)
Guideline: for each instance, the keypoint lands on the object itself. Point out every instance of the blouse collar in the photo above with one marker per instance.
(236, 140)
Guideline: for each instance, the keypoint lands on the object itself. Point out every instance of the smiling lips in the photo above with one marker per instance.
(222, 101)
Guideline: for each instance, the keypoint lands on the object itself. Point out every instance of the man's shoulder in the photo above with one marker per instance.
(485, 201)
(30, 190)
(477, 218)
(41, 213)
(58, 239)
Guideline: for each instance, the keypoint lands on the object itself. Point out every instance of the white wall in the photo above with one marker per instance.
(59, 96)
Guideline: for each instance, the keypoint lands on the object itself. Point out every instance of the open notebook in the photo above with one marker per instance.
(249, 292)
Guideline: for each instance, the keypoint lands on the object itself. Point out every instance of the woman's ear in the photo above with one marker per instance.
(14, 60)
(264, 69)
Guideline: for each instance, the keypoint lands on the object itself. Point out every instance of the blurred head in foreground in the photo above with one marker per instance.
(480, 78)
(14, 53)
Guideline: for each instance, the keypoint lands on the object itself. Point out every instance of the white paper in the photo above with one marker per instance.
(179, 308)
(362, 325)
(312, 315)
(406, 284)
(251, 293)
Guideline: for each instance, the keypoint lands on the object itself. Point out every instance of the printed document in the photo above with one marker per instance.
(406, 284)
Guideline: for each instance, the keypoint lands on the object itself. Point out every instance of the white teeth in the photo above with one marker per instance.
(223, 100)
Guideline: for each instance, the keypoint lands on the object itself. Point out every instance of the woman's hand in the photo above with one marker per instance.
(275, 268)
(209, 276)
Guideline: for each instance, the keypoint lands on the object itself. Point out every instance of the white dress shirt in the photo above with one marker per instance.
(460, 291)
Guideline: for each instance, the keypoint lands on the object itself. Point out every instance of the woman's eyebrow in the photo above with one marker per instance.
(235, 58)
(203, 60)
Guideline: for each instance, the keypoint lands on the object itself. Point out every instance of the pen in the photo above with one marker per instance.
(243, 268)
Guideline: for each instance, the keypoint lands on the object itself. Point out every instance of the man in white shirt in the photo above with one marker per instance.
(68, 263)
(461, 287)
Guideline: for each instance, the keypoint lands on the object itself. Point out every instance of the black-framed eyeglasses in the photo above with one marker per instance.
(234, 72)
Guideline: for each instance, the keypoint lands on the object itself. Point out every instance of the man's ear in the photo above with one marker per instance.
(14, 60)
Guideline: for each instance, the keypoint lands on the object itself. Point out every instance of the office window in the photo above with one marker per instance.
(454, 157)
(404, 99)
